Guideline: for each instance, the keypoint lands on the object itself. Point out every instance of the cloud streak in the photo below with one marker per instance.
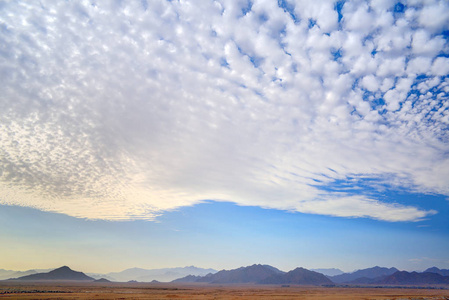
(122, 111)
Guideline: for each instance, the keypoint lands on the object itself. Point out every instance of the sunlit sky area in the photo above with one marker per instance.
(222, 133)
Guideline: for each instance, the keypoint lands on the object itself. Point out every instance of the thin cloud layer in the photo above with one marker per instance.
(123, 110)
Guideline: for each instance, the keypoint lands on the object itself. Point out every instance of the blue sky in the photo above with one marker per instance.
(219, 235)
(193, 131)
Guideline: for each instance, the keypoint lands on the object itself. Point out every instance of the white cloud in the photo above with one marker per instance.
(419, 65)
(360, 206)
(440, 66)
(322, 12)
(381, 5)
(357, 17)
(424, 45)
(435, 16)
(123, 110)
(395, 38)
(387, 84)
(393, 99)
(391, 67)
(370, 83)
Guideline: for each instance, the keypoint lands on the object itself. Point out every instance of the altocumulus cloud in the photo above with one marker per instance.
(126, 109)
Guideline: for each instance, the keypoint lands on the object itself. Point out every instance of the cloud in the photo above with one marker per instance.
(124, 110)
(440, 66)
(435, 16)
(419, 65)
(424, 45)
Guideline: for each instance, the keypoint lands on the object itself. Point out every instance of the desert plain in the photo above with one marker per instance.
(77, 290)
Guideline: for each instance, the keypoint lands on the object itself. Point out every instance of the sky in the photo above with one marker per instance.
(224, 133)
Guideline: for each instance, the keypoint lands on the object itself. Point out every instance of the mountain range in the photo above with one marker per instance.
(438, 271)
(256, 274)
(148, 275)
(297, 276)
(414, 278)
(328, 272)
(135, 274)
(62, 273)
(262, 274)
(392, 276)
(6, 274)
(251, 274)
(370, 273)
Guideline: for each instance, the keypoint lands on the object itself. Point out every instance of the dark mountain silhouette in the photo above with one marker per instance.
(375, 272)
(250, 274)
(254, 273)
(102, 280)
(414, 278)
(63, 273)
(328, 272)
(207, 278)
(188, 278)
(366, 280)
(298, 276)
(444, 272)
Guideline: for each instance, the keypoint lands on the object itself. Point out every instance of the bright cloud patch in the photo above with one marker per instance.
(123, 110)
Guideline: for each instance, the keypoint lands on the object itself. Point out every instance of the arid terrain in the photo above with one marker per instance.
(76, 290)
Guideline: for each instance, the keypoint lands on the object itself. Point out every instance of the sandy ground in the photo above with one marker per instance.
(76, 290)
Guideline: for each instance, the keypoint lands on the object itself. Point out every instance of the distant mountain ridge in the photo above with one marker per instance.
(62, 273)
(414, 278)
(102, 280)
(188, 278)
(329, 272)
(257, 273)
(162, 275)
(370, 273)
(298, 276)
(100, 276)
(400, 277)
(250, 274)
(7, 274)
(444, 272)
(262, 274)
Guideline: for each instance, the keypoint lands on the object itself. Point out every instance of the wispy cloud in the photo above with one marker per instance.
(123, 110)
(427, 261)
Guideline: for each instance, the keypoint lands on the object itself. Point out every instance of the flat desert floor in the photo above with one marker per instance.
(72, 290)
